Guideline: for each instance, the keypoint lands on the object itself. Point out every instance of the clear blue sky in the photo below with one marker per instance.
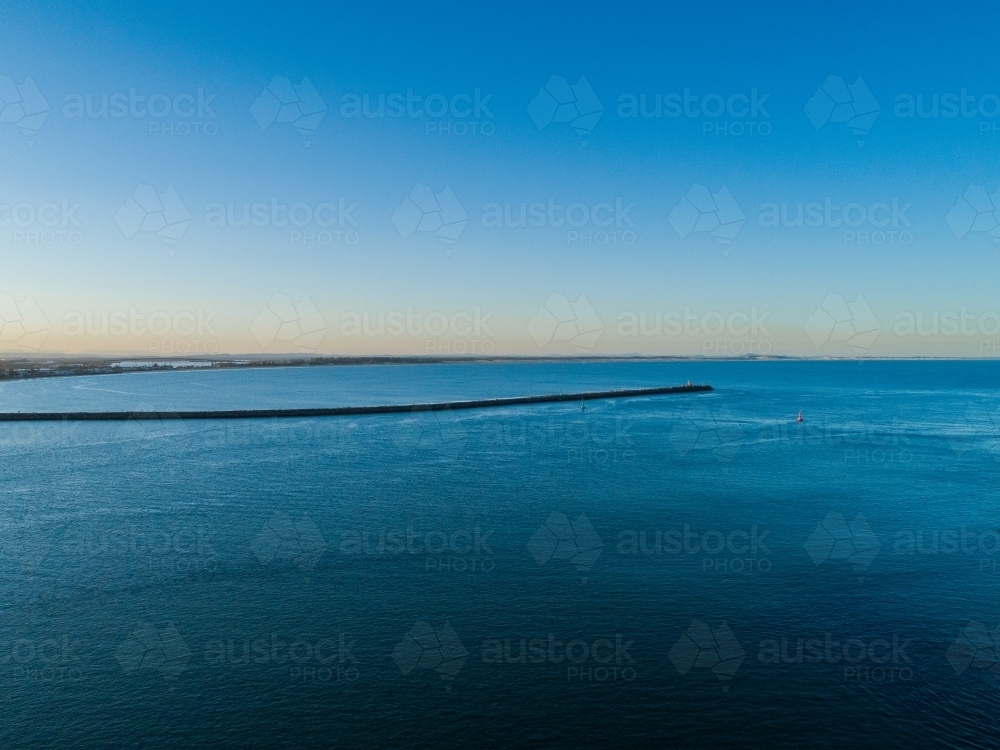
(372, 244)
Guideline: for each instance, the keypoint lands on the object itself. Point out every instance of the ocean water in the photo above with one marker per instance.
(685, 571)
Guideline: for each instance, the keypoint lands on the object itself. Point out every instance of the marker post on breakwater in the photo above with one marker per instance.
(337, 411)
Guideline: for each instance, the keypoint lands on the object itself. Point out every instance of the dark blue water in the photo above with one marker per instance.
(690, 571)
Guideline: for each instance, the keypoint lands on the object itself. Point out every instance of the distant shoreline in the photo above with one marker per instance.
(43, 366)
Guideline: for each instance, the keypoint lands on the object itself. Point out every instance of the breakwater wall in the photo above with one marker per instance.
(337, 411)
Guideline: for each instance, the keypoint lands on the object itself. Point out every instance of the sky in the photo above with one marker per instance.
(777, 179)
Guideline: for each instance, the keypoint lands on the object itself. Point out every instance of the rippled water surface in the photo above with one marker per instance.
(695, 570)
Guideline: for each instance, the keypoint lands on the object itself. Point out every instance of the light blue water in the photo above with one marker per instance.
(153, 576)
